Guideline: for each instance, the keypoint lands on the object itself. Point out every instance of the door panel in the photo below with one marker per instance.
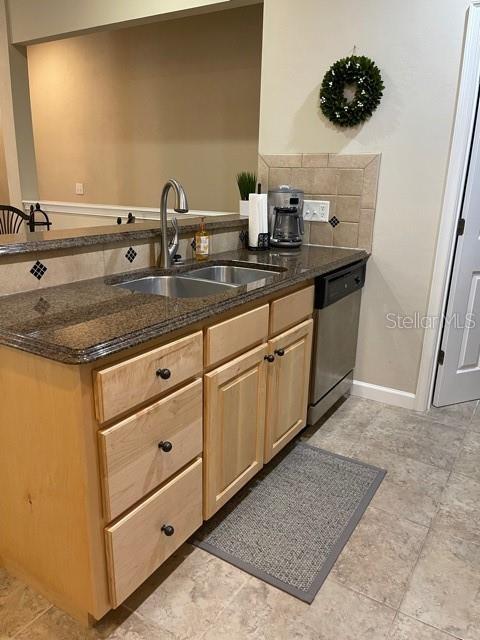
(239, 429)
(290, 388)
(469, 351)
(235, 398)
(458, 377)
(287, 386)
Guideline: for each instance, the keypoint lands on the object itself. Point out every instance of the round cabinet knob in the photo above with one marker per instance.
(168, 530)
(164, 374)
(280, 352)
(165, 446)
(269, 358)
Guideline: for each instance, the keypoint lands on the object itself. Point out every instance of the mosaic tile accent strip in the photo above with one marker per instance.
(334, 221)
(38, 270)
(131, 254)
(349, 182)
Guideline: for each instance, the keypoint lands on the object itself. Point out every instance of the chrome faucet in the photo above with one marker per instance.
(181, 206)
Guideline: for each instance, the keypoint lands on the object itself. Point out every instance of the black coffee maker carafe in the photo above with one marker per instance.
(287, 227)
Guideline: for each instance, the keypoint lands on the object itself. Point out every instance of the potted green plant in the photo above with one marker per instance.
(247, 184)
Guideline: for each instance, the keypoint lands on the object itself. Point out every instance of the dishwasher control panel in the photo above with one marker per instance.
(340, 283)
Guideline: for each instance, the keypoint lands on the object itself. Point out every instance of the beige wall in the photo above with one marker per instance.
(418, 45)
(122, 111)
(33, 20)
(4, 197)
(16, 117)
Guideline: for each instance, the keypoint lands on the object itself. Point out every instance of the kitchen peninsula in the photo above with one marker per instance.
(115, 450)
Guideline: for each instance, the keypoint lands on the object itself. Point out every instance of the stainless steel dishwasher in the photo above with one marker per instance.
(337, 311)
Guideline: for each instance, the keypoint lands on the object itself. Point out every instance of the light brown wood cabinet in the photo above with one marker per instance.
(104, 455)
(124, 385)
(287, 311)
(142, 451)
(227, 339)
(140, 541)
(234, 427)
(288, 378)
(247, 422)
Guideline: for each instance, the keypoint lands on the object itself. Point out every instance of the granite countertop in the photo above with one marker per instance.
(37, 241)
(84, 321)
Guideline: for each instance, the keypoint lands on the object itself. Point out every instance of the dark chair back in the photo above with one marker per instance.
(11, 219)
(34, 222)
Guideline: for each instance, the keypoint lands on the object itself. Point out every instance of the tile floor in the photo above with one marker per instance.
(411, 570)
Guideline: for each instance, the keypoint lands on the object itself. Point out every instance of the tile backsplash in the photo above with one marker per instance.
(348, 182)
(33, 271)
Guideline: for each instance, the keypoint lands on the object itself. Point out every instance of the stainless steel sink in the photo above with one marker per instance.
(201, 282)
(231, 274)
(176, 286)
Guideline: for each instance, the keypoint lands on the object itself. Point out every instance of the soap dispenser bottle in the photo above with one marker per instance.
(202, 242)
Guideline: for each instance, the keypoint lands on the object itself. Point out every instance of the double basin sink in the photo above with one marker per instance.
(201, 282)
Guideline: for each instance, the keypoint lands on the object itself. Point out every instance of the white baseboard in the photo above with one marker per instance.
(383, 394)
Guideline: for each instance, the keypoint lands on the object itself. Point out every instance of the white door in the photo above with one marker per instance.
(458, 377)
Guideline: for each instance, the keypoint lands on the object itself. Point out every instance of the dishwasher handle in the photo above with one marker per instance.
(338, 284)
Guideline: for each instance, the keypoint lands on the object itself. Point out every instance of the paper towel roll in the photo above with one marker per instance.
(257, 217)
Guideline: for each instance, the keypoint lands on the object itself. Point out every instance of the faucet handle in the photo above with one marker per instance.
(175, 229)
(175, 224)
(174, 242)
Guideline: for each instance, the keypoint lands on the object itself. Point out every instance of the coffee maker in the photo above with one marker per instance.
(285, 216)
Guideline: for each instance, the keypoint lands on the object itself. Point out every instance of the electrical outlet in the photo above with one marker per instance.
(79, 188)
(316, 210)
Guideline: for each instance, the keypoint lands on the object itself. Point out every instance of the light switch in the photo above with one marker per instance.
(79, 188)
(316, 210)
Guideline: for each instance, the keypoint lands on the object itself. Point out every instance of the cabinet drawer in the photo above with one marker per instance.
(290, 310)
(235, 335)
(137, 544)
(133, 462)
(125, 385)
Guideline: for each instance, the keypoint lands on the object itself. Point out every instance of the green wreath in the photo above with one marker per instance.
(359, 72)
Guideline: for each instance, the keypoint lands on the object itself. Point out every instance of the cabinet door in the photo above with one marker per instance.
(288, 378)
(235, 397)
